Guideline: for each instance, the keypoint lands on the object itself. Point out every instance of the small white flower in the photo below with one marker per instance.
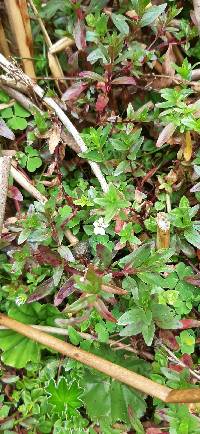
(100, 226)
(20, 299)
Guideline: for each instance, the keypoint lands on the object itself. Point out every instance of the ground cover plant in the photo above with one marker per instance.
(100, 240)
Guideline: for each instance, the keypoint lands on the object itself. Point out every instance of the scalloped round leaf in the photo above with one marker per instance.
(18, 350)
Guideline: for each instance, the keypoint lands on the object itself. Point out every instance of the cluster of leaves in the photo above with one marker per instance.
(115, 289)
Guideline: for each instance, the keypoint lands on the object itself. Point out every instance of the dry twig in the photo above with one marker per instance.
(5, 163)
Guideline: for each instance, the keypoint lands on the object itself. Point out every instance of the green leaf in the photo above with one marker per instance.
(107, 398)
(186, 341)
(193, 237)
(17, 123)
(96, 55)
(33, 163)
(64, 395)
(102, 332)
(21, 111)
(148, 331)
(4, 410)
(6, 113)
(164, 317)
(17, 349)
(112, 201)
(24, 235)
(152, 14)
(120, 22)
(134, 320)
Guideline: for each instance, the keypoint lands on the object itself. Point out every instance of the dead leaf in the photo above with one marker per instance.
(5, 131)
(167, 65)
(124, 80)
(61, 44)
(165, 134)
(79, 35)
(54, 138)
(187, 152)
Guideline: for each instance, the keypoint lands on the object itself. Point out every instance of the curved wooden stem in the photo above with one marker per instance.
(117, 372)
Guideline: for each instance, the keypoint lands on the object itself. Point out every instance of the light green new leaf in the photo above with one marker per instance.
(33, 163)
(63, 395)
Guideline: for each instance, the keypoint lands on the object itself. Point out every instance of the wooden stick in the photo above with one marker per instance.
(16, 72)
(27, 24)
(4, 48)
(108, 368)
(17, 27)
(5, 163)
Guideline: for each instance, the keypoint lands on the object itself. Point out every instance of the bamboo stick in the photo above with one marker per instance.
(27, 24)
(117, 372)
(4, 48)
(17, 26)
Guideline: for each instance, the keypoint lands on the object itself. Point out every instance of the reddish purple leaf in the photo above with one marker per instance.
(104, 312)
(73, 92)
(169, 339)
(187, 360)
(79, 35)
(101, 103)
(14, 193)
(175, 368)
(64, 291)
(44, 289)
(193, 280)
(5, 131)
(44, 255)
(124, 80)
(189, 323)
